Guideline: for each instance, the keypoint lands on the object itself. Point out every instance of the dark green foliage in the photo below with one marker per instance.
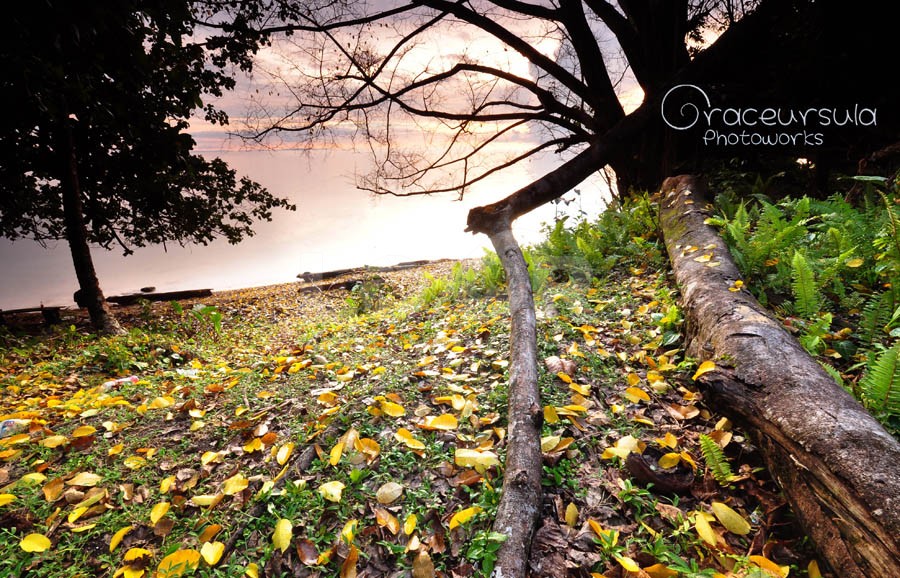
(880, 387)
(624, 234)
(123, 79)
(806, 294)
(835, 267)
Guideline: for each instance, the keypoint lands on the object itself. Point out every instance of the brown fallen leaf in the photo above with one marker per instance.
(307, 552)
(423, 567)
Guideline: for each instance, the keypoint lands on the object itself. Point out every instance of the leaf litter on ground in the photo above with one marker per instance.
(307, 440)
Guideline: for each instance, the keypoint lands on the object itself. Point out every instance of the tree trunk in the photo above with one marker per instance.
(520, 500)
(837, 466)
(90, 293)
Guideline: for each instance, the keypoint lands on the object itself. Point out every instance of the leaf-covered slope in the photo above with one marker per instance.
(370, 444)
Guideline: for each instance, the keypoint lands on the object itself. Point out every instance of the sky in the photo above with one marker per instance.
(335, 225)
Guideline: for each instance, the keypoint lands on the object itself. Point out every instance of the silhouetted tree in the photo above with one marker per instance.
(94, 145)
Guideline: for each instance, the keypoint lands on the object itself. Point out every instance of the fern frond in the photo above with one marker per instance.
(834, 373)
(715, 460)
(880, 386)
(807, 300)
(875, 315)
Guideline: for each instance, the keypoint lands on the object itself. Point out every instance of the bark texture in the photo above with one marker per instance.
(520, 500)
(838, 468)
(77, 236)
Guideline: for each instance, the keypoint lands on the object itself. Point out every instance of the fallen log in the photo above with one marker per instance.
(520, 500)
(347, 285)
(837, 466)
(51, 314)
(132, 298)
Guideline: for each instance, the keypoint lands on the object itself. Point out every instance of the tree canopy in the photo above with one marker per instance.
(447, 94)
(125, 79)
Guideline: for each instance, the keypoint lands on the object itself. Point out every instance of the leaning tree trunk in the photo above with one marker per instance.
(90, 294)
(520, 500)
(837, 466)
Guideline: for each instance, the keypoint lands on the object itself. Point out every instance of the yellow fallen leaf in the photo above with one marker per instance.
(660, 571)
(627, 563)
(209, 533)
(404, 436)
(336, 452)
(733, 522)
(636, 394)
(368, 447)
(463, 516)
(703, 258)
(770, 566)
(571, 515)
(549, 442)
(282, 535)
(669, 441)
(158, 511)
(83, 431)
(115, 450)
(252, 570)
(284, 452)
(235, 484)
(669, 460)
(162, 402)
(35, 543)
(550, 415)
(409, 526)
(332, 491)
(705, 367)
(327, 398)
(15, 439)
(85, 479)
(54, 441)
(212, 552)
(84, 528)
(349, 531)
(469, 458)
(6, 499)
(76, 513)
(37, 478)
(134, 554)
(689, 459)
(166, 484)
(253, 445)
(210, 457)
(53, 489)
(854, 263)
(117, 537)
(392, 409)
(134, 462)
(704, 530)
(207, 499)
(564, 377)
(633, 379)
(580, 388)
(177, 563)
(456, 401)
(387, 520)
(813, 569)
(444, 422)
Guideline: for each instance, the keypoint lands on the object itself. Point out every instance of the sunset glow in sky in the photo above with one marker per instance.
(335, 225)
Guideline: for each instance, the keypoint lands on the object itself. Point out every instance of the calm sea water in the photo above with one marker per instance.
(335, 226)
